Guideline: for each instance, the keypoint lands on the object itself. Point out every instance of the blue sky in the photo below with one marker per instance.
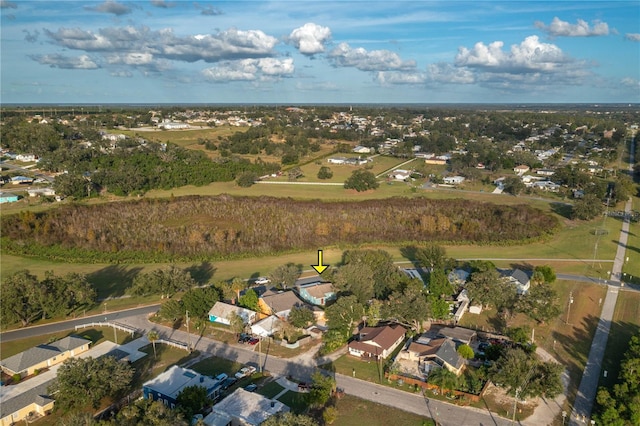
(292, 52)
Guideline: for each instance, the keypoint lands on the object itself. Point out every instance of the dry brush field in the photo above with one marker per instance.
(225, 226)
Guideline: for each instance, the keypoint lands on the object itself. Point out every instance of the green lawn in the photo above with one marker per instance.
(353, 411)
(270, 389)
(632, 267)
(366, 370)
(214, 365)
(625, 323)
(296, 401)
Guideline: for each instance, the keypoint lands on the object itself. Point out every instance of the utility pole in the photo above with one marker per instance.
(260, 353)
(569, 307)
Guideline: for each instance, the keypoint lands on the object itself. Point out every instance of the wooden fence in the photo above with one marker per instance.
(425, 385)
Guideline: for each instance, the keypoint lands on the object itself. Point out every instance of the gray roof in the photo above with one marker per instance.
(517, 274)
(448, 354)
(38, 394)
(462, 335)
(283, 301)
(33, 356)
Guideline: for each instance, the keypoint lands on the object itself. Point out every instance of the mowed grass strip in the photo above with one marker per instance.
(353, 411)
(624, 325)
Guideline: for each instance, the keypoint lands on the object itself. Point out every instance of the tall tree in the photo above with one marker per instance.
(539, 303)
(249, 300)
(361, 180)
(191, 399)
(343, 314)
(285, 276)
(83, 381)
(153, 336)
(20, 301)
(236, 323)
(322, 387)
(408, 307)
(300, 316)
(432, 256)
(386, 276)
(237, 285)
(198, 301)
(356, 279)
(146, 412)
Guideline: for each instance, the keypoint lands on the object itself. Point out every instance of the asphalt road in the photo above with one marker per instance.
(303, 367)
(38, 330)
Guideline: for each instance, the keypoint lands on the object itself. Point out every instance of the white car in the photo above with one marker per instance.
(262, 280)
(245, 372)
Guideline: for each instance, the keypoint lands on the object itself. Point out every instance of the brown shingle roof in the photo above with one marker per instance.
(384, 337)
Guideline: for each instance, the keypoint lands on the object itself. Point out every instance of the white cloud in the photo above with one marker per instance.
(447, 73)
(631, 83)
(142, 58)
(310, 38)
(375, 60)
(5, 4)
(121, 73)
(632, 36)
(163, 4)
(250, 69)
(224, 45)
(529, 56)
(395, 77)
(558, 28)
(67, 62)
(111, 6)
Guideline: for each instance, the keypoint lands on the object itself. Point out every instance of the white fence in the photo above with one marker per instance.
(121, 327)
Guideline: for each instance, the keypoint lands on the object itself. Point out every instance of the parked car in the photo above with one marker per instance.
(253, 341)
(228, 382)
(262, 280)
(221, 377)
(251, 388)
(245, 371)
(244, 338)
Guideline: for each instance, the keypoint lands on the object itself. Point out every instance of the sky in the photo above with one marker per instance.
(301, 52)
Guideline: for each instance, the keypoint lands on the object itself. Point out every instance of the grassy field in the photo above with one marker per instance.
(353, 411)
(214, 365)
(632, 266)
(625, 323)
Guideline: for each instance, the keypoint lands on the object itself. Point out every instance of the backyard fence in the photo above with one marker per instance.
(425, 385)
(115, 325)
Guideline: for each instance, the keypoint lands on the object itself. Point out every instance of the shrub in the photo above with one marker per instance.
(16, 378)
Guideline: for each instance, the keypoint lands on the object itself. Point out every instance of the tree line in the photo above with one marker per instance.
(223, 226)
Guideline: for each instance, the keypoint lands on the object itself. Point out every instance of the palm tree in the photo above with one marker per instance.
(237, 284)
(443, 378)
(153, 336)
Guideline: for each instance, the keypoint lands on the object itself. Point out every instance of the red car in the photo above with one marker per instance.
(253, 341)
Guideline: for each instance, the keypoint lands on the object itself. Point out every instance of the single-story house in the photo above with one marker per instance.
(521, 169)
(337, 160)
(243, 408)
(361, 150)
(47, 192)
(400, 174)
(267, 326)
(317, 293)
(459, 335)
(18, 180)
(166, 387)
(518, 277)
(377, 342)
(221, 312)
(26, 158)
(43, 356)
(458, 277)
(432, 353)
(8, 197)
(475, 309)
(453, 180)
(28, 405)
(279, 303)
(545, 172)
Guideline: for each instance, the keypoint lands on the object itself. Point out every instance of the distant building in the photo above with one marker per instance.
(8, 197)
(453, 180)
(317, 293)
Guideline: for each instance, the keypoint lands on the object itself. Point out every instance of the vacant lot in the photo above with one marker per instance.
(568, 337)
(354, 411)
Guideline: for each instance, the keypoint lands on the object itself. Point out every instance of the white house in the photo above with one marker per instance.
(267, 326)
(221, 312)
(243, 408)
(453, 180)
(400, 174)
(337, 160)
(361, 150)
(521, 169)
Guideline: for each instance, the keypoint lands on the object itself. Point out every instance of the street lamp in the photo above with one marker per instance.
(569, 307)
(188, 333)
